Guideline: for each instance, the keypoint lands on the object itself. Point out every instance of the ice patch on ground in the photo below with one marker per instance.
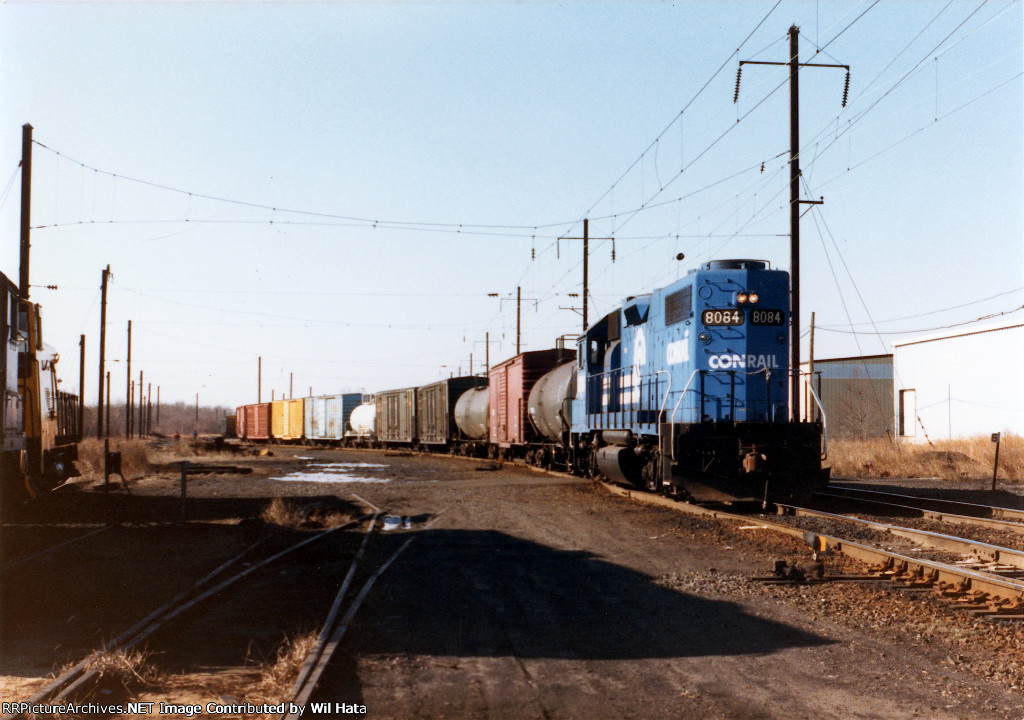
(330, 477)
(304, 457)
(347, 465)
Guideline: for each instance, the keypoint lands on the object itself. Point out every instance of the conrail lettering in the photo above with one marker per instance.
(742, 362)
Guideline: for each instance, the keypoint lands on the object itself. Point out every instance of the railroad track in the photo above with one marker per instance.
(932, 508)
(984, 592)
(79, 678)
(17, 562)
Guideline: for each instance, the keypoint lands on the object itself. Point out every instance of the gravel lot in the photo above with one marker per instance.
(527, 596)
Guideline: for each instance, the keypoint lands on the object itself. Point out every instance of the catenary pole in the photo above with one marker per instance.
(26, 207)
(103, 349)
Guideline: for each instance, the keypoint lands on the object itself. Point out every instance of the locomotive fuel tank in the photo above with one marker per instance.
(550, 402)
(471, 413)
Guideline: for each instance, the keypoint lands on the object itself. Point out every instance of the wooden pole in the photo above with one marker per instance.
(26, 207)
(103, 349)
(127, 387)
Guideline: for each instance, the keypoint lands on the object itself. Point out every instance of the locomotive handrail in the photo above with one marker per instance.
(661, 408)
(672, 419)
(824, 422)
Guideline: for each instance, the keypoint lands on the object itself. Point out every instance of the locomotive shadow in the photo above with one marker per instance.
(487, 594)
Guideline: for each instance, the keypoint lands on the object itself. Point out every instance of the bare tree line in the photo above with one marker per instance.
(173, 418)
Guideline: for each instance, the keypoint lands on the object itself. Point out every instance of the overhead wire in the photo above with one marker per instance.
(332, 216)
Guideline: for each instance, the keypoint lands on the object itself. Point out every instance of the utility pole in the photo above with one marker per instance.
(810, 373)
(794, 200)
(197, 415)
(128, 388)
(103, 349)
(81, 386)
(142, 400)
(149, 406)
(26, 206)
(158, 406)
(586, 265)
(519, 303)
(106, 432)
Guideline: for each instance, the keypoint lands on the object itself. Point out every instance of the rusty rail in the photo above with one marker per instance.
(976, 588)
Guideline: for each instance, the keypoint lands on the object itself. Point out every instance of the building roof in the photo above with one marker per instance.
(1005, 325)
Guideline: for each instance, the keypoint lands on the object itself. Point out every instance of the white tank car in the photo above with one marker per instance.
(363, 420)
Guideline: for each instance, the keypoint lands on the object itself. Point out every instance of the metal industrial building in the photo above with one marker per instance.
(964, 383)
(856, 394)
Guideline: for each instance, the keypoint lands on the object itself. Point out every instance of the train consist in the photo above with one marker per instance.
(684, 391)
(40, 430)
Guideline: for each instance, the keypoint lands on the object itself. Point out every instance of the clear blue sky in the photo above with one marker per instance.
(389, 125)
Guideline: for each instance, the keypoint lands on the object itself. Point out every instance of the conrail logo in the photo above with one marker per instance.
(742, 362)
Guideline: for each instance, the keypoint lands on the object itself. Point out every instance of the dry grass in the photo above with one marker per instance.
(134, 457)
(964, 459)
(143, 456)
(282, 513)
(308, 515)
(278, 677)
(123, 667)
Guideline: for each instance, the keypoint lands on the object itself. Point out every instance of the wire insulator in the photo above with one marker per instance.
(846, 88)
(613, 250)
(736, 95)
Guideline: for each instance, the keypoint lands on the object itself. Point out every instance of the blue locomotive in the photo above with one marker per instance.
(685, 391)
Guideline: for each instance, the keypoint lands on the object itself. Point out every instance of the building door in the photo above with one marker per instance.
(908, 413)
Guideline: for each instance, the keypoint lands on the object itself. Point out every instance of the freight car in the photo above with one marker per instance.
(685, 390)
(327, 417)
(435, 411)
(253, 422)
(510, 433)
(286, 420)
(362, 425)
(40, 427)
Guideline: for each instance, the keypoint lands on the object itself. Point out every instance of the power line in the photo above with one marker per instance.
(990, 316)
(332, 216)
(936, 312)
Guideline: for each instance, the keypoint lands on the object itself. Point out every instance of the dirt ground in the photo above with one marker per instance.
(523, 595)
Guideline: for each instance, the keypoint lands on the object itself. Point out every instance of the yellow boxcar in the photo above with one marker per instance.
(286, 417)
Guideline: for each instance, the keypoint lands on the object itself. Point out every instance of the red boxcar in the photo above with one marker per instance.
(510, 384)
(253, 421)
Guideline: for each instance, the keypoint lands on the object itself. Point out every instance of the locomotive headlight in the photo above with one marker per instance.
(741, 298)
(704, 338)
(752, 298)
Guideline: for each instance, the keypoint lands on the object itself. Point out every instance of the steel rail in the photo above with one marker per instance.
(305, 691)
(332, 615)
(19, 561)
(986, 522)
(79, 674)
(1005, 589)
(964, 508)
(938, 541)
